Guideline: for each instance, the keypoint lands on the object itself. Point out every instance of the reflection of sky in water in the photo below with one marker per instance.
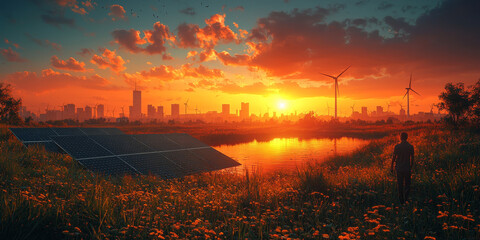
(288, 153)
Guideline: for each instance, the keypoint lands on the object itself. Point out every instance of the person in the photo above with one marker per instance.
(403, 158)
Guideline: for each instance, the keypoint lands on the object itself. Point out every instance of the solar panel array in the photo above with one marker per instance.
(42, 136)
(166, 155)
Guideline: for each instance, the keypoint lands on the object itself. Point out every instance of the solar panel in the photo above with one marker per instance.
(32, 134)
(110, 151)
(121, 144)
(49, 146)
(108, 165)
(93, 131)
(81, 146)
(215, 159)
(68, 131)
(185, 140)
(157, 142)
(113, 131)
(154, 163)
(189, 163)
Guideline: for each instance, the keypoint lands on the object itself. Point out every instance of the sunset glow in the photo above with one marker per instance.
(227, 52)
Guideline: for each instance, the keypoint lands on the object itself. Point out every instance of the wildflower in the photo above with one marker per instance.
(326, 236)
(429, 238)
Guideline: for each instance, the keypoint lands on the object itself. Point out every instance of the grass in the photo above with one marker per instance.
(48, 196)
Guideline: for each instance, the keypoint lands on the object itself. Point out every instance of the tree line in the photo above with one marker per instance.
(461, 103)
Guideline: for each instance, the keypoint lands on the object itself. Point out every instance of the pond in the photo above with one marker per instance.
(286, 154)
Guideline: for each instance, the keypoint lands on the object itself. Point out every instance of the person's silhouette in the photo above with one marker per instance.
(403, 160)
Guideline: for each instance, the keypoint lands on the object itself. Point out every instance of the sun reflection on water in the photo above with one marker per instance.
(286, 154)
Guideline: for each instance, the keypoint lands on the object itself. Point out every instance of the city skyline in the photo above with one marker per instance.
(271, 54)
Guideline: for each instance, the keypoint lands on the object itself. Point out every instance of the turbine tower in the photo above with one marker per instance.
(186, 106)
(336, 86)
(408, 95)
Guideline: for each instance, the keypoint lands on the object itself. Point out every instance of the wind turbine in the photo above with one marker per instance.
(186, 106)
(353, 108)
(328, 110)
(336, 86)
(408, 95)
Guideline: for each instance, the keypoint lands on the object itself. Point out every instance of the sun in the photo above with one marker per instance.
(282, 105)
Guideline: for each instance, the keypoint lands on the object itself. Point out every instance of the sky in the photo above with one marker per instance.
(269, 53)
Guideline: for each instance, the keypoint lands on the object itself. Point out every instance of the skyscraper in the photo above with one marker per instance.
(100, 111)
(160, 111)
(136, 112)
(69, 111)
(244, 111)
(88, 112)
(151, 111)
(175, 110)
(225, 109)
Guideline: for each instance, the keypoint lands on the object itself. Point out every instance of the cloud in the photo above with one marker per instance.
(44, 43)
(75, 7)
(165, 73)
(215, 31)
(71, 64)
(50, 80)
(109, 59)
(155, 39)
(237, 59)
(188, 11)
(57, 18)
(237, 8)
(13, 44)
(85, 52)
(117, 12)
(302, 43)
(11, 55)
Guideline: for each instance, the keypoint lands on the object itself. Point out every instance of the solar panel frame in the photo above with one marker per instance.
(185, 140)
(109, 165)
(68, 131)
(32, 134)
(157, 142)
(154, 163)
(120, 144)
(214, 158)
(190, 163)
(89, 148)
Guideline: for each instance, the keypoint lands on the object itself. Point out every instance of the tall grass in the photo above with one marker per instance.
(49, 196)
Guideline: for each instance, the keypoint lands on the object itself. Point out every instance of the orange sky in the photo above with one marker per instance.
(89, 53)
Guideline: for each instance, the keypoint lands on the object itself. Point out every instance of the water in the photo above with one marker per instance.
(286, 154)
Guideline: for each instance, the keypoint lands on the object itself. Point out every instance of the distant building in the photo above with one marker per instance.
(379, 111)
(175, 110)
(226, 109)
(244, 110)
(151, 111)
(136, 110)
(88, 112)
(80, 115)
(100, 111)
(160, 112)
(69, 111)
(364, 112)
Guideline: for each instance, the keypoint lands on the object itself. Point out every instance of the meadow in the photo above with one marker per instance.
(49, 196)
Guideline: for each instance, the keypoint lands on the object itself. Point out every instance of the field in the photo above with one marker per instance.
(48, 196)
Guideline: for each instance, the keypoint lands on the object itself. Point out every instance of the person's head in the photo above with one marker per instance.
(403, 136)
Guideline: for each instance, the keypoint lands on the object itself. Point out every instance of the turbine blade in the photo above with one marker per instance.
(410, 84)
(343, 71)
(328, 75)
(416, 92)
(405, 94)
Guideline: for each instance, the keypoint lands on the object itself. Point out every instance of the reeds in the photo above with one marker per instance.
(49, 196)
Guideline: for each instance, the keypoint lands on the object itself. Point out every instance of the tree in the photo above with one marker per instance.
(9, 106)
(475, 102)
(455, 100)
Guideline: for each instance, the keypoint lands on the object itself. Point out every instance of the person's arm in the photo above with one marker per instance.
(412, 159)
(394, 158)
